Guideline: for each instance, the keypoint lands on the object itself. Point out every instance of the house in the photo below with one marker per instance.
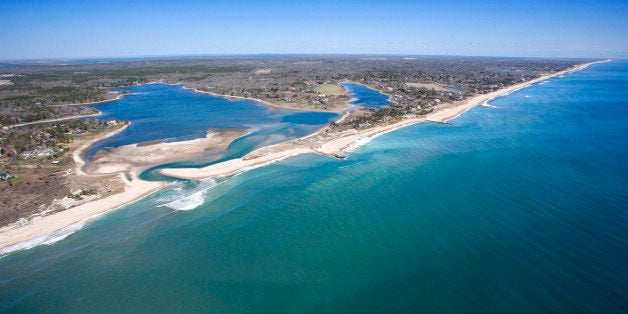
(56, 162)
(37, 153)
(21, 222)
(6, 176)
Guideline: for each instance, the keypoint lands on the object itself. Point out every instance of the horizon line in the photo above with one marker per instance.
(270, 55)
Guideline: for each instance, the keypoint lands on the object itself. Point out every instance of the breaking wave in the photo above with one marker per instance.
(189, 201)
(47, 239)
(357, 144)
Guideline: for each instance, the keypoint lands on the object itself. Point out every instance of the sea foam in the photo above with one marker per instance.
(357, 144)
(190, 201)
(47, 239)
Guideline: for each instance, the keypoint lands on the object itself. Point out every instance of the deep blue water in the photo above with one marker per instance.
(159, 111)
(515, 209)
(365, 96)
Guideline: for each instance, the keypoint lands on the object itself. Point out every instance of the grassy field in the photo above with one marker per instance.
(330, 90)
(435, 86)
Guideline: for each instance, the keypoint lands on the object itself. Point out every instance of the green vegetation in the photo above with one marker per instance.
(84, 192)
(18, 140)
(43, 91)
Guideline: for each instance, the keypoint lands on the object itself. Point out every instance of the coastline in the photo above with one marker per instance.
(341, 108)
(54, 227)
(389, 97)
(135, 158)
(97, 114)
(48, 229)
(93, 103)
(51, 228)
(77, 156)
(321, 143)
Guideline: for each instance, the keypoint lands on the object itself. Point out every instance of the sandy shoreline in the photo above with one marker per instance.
(322, 143)
(56, 226)
(97, 114)
(388, 98)
(135, 158)
(43, 229)
(95, 102)
(77, 156)
(127, 162)
(342, 108)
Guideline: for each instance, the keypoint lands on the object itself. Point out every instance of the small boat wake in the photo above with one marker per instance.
(486, 104)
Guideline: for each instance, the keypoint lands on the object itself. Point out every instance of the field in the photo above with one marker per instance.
(437, 87)
(330, 90)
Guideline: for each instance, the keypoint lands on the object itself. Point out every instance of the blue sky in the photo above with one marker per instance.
(69, 29)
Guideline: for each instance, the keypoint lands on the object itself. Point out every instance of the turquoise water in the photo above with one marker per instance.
(365, 96)
(159, 111)
(519, 208)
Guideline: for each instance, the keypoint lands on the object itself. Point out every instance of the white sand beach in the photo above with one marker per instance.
(127, 162)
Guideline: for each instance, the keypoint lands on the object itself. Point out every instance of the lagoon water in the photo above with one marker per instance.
(159, 111)
(365, 96)
(518, 208)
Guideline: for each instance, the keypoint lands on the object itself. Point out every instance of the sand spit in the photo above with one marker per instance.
(126, 161)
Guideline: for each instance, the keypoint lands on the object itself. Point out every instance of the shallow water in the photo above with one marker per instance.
(159, 111)
(365, 96)
(518, 208)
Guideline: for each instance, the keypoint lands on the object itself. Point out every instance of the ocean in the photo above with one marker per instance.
(515, 208)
